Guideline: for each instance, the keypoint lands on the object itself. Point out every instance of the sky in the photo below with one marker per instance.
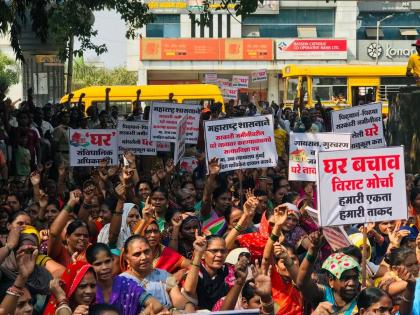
(111, 31)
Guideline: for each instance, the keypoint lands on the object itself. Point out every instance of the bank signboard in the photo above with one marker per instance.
(311, 49)
(388, 50)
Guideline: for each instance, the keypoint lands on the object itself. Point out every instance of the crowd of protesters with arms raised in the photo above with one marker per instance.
(138, 239)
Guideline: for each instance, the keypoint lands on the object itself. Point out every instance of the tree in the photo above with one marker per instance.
(9, 73)
(89, 75)
(59, 21)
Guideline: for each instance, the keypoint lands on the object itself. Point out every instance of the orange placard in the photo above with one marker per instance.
(205, 49)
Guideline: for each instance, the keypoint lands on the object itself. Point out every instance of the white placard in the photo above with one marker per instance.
(230, 93)
(181, 135)
(89, 146)
(358, 186)
(241, 143)
(165, 116)
(223, 83)
(210, 78)
(163, 146)
(134, 136)
(259, 76)
(189, 163)
(240, 81)
(364, 122)
(303, 149)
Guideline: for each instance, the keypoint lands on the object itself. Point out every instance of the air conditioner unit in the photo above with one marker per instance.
(253, 34)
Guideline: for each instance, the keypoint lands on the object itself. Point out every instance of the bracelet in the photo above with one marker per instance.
(62, 302)
(118, 213)
(274, 238)
(63, 306)
(15, 291)
(263, 178)
(238, 227)
(195, 265)
(404, 298)
(271, 304)
(68, 208)
(310, 258)
(288, 265)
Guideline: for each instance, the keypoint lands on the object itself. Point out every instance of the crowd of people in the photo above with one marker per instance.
(148, 237)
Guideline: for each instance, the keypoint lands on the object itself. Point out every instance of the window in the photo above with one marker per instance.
(402, 25)
(219, 25)
(165, 25)
(202, 25)
(288, 22)
(371, 33)
(192, 17)
(391, 86)
(228, 20)
(306, 32)
(329, 89)
(211, 26)
(292, 87)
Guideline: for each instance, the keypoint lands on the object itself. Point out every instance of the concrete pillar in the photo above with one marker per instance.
(346, 25)
(142, 75)
(273, 88)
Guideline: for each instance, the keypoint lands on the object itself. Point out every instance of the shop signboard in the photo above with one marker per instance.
(311, 49)
(197, 7)
(388, 50)
(192, 49)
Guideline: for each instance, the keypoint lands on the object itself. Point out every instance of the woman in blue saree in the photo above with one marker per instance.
(125, 294)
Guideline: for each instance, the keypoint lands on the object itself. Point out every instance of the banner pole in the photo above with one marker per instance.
(364, 256)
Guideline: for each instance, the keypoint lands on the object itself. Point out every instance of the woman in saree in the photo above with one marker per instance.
(118, 291)
(78, 292)
(163, 257)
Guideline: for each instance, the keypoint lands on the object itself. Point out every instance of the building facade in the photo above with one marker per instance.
(176, 49)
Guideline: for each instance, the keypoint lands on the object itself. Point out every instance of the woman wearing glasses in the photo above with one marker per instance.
(211, 283)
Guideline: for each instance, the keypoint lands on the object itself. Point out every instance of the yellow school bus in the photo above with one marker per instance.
(340, 86)
(124, 96)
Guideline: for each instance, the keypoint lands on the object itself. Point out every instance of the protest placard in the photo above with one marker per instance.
(336, 236)
(223, 83)
(240, 143)
(134, 136)
(210, 78)
(89, 146)
(359, 186)
(163, 146)
(165, 116)
(188, 163)
(363, 122)
(259, 76)
(181, 135)
(240, 81)
(230, 93)
(303, 149)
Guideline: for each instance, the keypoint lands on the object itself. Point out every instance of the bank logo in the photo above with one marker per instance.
(372, 52)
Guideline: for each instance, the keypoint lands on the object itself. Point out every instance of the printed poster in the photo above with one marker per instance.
(90, 146)
(259, 76)
(359, 186)
(164, 118)
(241, 143)
(240, 81)
(134, 136)
(365, 124)
(303, 149)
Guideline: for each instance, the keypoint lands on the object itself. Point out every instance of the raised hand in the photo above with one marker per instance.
(13, 237)
(404, 274)
(177, 221)
(241, 269)
(26, 258)
(131, 158)
(43, 199)
(113, 170)
(170, 166)
(200, 243)
(35, 178)
(81, 310)
(262, 281)
(127, 174)
(89, 192)
(75, 197)
(148, 211)
(317, 240)
(120, 191)
(280, 215)
(57, 290)
(369, 227)
(214, 166)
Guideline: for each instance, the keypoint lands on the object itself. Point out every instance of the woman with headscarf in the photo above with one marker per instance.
(79, 290)
(38, 281)
(121, 226)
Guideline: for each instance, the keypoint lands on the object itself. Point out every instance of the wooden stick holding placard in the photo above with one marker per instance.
(364, 256)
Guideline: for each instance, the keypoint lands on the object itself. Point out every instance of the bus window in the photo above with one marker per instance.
(124, 107)
(363, 94)
(391, 86)
(329, 89)
(292, 88)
